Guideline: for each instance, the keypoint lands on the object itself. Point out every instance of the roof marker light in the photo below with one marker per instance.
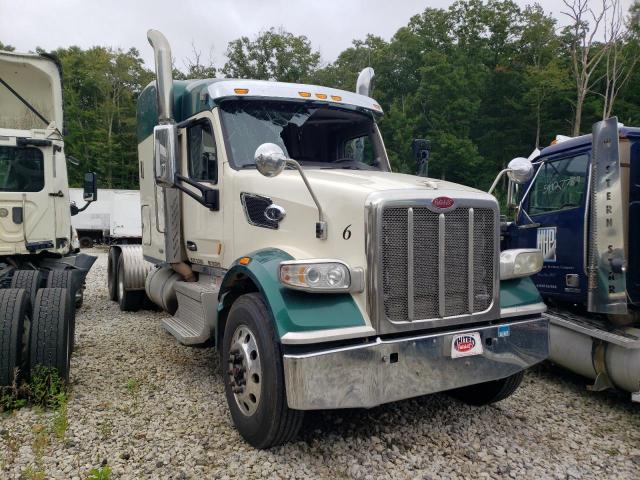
(321, 96)
(336, 98)
(241, 91)
(304, 94)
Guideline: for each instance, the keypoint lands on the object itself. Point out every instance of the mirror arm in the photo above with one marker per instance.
(321, 224)
(75, 210)
(215, 206)
(498, 178)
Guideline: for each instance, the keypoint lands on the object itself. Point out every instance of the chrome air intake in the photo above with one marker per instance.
(430, 267)
(164, 80)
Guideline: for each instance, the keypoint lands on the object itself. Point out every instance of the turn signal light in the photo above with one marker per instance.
(244, 261)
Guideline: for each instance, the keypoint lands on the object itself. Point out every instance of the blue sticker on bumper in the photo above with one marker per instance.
(504, 331)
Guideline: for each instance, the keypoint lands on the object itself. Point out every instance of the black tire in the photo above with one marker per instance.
(129, 300)
(489, 392)
(64, 279)
(273, 422)
(86, 242)
(29, 280)
(112, 273)
(50, 330)
(15, 310)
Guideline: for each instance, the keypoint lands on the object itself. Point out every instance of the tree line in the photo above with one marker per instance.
(484, 81)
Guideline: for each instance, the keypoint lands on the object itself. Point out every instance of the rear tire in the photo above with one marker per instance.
(489, 392)
(129, 300)
(50, 332)
(250, 348)
(64, 279)
(29, 280)
(112, 273)
(15, 311)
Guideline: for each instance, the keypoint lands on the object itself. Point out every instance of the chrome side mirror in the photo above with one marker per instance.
(270, 159)
(520, 170)
(364, 84)
(165, 154)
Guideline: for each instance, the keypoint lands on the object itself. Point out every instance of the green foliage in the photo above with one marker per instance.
(272, 55)
(483, 80)
(102, 473)
(45, 389)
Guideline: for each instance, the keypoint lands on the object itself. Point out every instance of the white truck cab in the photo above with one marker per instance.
(41, 272)
(274, 228)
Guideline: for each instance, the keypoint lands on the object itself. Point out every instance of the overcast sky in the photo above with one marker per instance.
(331, 25)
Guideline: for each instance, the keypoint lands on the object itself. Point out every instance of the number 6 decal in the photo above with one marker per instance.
(346, 233)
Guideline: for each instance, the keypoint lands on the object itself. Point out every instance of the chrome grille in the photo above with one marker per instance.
(436, 265)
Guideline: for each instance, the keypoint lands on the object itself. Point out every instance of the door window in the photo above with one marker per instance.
(360, 150)
(203, 157)
(21, 169)
(560, 185)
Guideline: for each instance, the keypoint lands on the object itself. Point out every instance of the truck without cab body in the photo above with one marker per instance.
(41, 273)
(582, 210)
(327, 281)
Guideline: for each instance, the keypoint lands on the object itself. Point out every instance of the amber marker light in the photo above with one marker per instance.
(321, 96)
(336, 98)
(304, 94)
(244, 261)
(241, 91)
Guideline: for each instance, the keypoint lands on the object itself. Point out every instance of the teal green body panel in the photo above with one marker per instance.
(189, 98)
(293, 311)
(518, 292)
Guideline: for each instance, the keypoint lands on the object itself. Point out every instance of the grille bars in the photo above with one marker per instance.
(470, 272)
(410, 279)
(441, 255)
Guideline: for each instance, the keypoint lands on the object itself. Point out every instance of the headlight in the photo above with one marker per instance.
(520, 262)
(329, 276)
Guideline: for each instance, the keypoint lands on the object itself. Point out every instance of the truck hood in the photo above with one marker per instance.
(35, 78)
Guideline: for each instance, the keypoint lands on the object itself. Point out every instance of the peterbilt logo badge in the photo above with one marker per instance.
(464, 343)
(443, 203)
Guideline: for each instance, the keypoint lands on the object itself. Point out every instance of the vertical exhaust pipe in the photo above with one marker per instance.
(164, 80)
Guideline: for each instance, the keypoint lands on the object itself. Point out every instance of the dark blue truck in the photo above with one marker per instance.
(581, 208)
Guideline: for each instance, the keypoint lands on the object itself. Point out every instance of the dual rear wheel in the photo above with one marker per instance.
(35, 333)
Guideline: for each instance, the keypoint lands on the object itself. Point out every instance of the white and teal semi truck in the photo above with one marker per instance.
(274, 229)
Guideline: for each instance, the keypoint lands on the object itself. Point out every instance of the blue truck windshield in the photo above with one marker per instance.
(314, 135)
(21, 169)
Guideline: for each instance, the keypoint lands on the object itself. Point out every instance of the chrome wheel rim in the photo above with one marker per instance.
(245, 370)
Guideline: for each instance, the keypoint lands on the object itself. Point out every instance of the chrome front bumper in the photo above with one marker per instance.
(384, 371)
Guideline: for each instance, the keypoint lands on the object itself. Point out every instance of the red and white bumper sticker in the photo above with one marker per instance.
(466, 345)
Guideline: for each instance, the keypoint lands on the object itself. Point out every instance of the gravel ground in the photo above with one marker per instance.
(150, 408)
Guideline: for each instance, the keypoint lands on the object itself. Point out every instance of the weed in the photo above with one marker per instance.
(132, 386)
(102, 473)
(60, 419)
(46, 388)
(40, 443)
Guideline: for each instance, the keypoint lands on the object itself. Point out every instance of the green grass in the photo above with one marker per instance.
(102, 473)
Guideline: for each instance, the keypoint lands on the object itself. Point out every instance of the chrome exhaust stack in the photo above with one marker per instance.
(164, 80)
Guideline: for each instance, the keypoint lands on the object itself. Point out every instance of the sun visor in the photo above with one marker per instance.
(36, 79)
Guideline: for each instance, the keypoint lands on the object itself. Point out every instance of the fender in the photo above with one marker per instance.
(292, 311)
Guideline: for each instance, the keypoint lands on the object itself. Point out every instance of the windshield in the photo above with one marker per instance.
(21, 169)
(315, 135)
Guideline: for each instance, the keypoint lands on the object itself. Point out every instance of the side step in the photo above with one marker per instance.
(593, 328)
(197, 311)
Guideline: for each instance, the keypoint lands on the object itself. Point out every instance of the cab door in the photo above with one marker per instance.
(555, 204)
(202, 227)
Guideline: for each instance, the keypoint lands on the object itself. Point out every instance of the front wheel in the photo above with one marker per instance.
(254, 378)
(489, 392)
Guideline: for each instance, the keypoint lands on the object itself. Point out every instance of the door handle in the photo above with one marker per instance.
(191, 246)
